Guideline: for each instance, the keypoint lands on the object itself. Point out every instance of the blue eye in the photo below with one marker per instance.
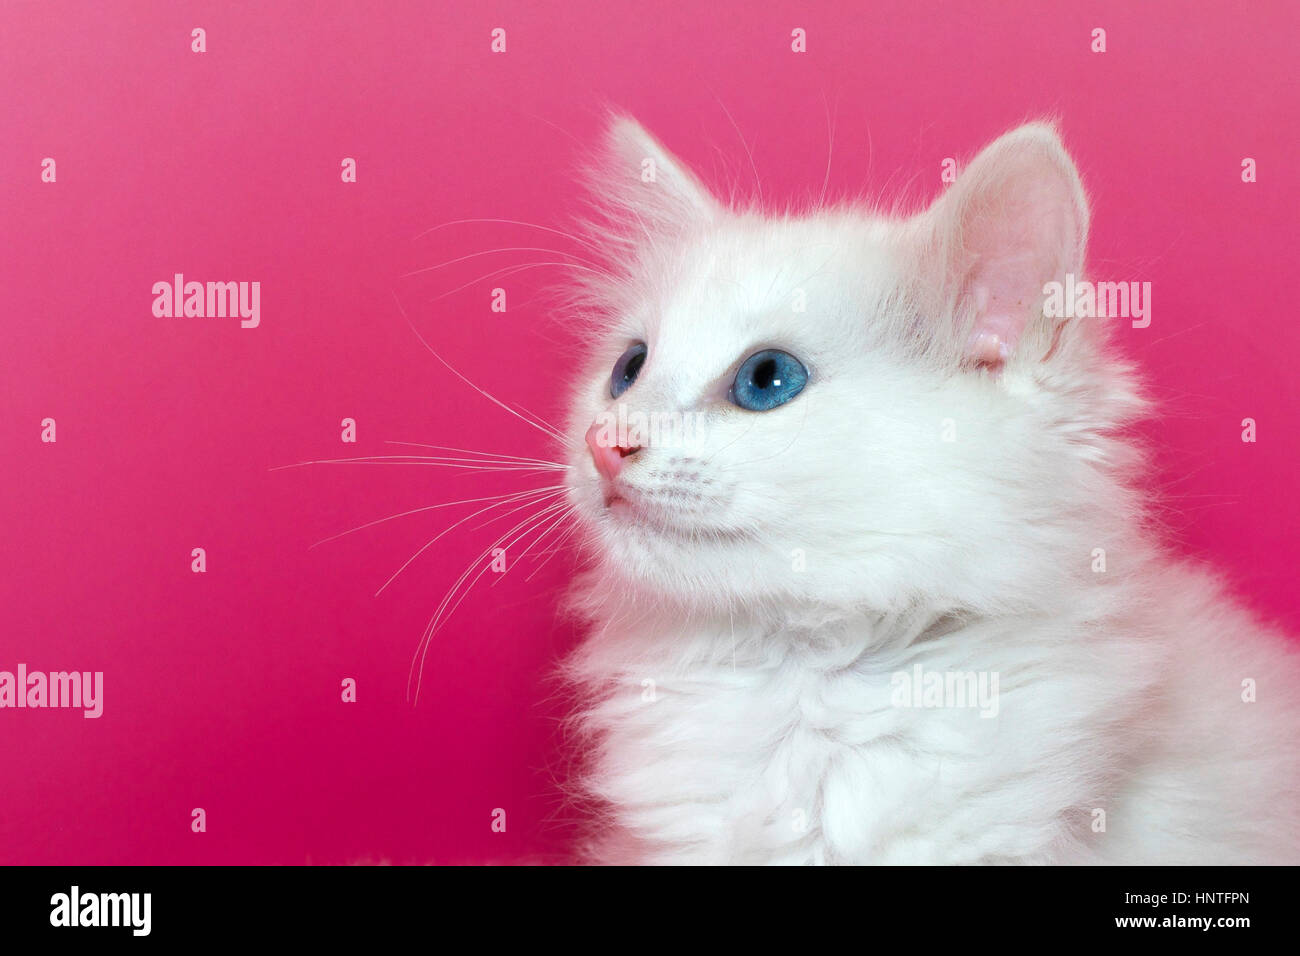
(626, 369)
(767, 379)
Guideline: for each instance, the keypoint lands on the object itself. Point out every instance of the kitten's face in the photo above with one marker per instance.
(731, 500)
(803, 447)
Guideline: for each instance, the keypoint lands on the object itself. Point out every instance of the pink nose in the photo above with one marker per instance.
(608, 458)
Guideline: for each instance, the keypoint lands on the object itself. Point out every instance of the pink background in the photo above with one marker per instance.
(222, 689)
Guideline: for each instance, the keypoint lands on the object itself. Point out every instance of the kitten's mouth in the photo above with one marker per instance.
(627, 509)
(615, 503)
(628, 512)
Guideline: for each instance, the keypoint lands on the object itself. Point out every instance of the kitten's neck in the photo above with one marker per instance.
(641, 625)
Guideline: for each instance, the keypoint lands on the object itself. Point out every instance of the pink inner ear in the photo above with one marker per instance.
(1005, 293)
(1015, 221)
(1021, 245)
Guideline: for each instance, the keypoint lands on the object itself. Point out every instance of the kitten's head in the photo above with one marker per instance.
(844, 408)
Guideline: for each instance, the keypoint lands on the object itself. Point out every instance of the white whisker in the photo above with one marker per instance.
(436, 622)
(546, 430)
(515, 222)
(511, 270)
(466, 451)
(428, 544)
(502, 499)
(554, 549)
(532, 544)
(427, 462)
(489, 252)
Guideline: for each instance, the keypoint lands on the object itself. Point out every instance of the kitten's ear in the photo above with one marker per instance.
(640, 179)
(1015, 219)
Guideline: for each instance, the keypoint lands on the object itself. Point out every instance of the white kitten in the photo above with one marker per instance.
(948, 497)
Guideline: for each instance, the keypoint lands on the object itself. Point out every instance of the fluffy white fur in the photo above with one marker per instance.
(742, 710)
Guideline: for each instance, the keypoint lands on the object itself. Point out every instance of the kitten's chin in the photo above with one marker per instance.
(656, 546)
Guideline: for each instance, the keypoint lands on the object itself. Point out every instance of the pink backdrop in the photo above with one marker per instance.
(222, 689)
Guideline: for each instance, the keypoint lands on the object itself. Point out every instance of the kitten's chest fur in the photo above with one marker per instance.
(811, 747)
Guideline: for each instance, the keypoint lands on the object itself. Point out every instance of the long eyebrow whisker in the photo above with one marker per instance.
(511, 270)
(514, 222)
(489, 252)
(548, 430)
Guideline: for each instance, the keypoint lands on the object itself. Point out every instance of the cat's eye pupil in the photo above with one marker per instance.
(765, 375)
(633, 367)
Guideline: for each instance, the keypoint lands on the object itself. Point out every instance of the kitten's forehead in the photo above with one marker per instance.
(757, 283)
(758, 264)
